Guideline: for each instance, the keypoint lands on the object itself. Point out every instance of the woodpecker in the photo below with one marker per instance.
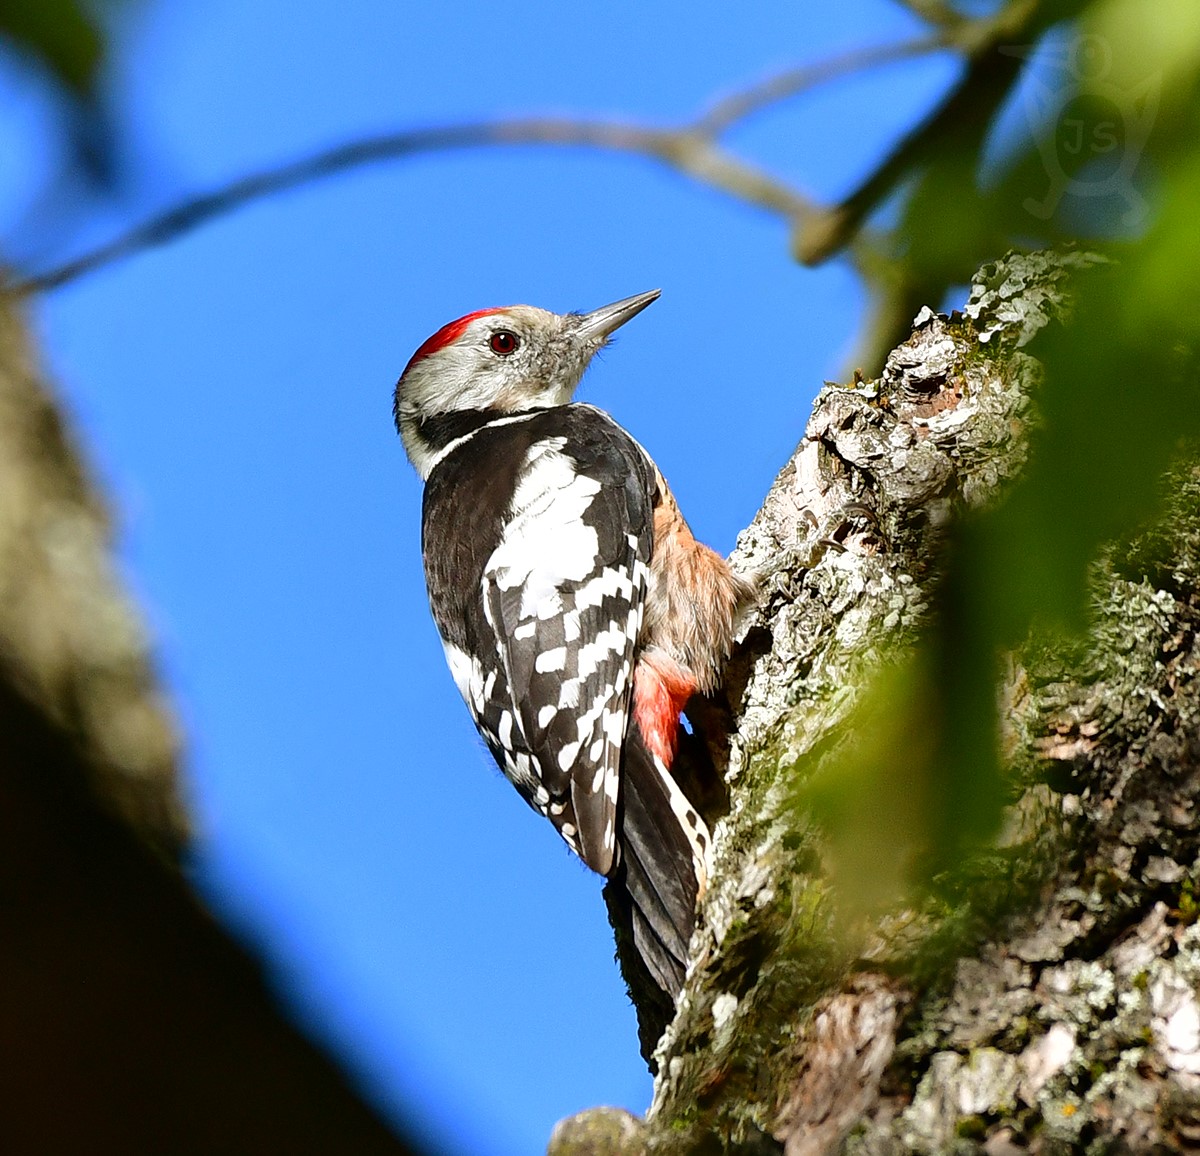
(577, 612)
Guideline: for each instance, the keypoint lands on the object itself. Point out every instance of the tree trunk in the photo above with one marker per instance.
(1047, 1001)
(129, 1021)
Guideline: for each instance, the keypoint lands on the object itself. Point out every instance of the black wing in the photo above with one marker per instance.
(565, 591)
(557, 610)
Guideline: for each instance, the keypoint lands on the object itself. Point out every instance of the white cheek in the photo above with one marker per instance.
(459, 377)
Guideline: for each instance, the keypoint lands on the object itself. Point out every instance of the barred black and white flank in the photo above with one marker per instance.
(577, 611)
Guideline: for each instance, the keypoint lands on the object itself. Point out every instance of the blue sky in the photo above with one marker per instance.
(234, 391)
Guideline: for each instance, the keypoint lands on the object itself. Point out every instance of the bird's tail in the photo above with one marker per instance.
(663, 865)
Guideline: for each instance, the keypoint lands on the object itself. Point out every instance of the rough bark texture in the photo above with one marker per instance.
(69, 638)
(129, 1021)
(1050, 1006)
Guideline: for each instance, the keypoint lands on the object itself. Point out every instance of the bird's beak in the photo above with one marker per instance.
(601, 323)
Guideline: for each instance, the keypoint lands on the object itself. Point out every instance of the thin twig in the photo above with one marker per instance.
(935, 12)
(727, 112)
(692, 150)
(686, 151)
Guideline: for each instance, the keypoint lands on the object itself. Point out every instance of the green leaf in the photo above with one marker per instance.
(61, 35)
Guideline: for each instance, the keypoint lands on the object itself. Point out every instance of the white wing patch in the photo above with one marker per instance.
(546, 543)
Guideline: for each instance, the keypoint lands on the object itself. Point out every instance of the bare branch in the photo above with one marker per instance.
(692, 150)
(684, 150)
(818, 232)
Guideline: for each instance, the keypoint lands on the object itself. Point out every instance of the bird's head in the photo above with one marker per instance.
(499, 361)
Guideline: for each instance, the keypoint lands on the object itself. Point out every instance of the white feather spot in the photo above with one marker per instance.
(551, 660)
(521, 770)
(586, 725)
(549, 606)
(609, 583)
(611, 784)
(566, 756)
(593, 653)
(568, 693)
(546, 714)
(690, 822)
(467, 674)
(460, 666)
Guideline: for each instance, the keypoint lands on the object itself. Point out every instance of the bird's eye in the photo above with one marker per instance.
(503, 342)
